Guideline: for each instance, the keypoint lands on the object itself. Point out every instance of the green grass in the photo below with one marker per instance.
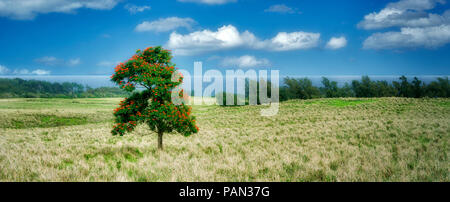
(55, 103)
(444, 104)
(344, 103)
(41, 121)
(351, 139)
(48, 112)
(338, 102)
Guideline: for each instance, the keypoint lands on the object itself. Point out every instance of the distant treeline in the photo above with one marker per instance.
(303, 89)
(293, 88)
(15, 88)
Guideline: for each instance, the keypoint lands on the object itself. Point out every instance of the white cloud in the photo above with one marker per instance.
(228, 37)
(336, 43)
(206, 40)
(74, 62)
(427, 37)
(415, 4)
(33, 72)
(209, 2)
(3, 69)
(404, 13)
(21, 71)
(281, 8)
(165, 24)
(133, 9)
(395, 18)
(53, 61)
(417, 28)
(245, 61)
(29, 9)
(294, 41)
(40, 72)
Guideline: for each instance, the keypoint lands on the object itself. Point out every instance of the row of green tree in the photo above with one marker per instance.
(14, 88)
(303, 88)
(293, 88)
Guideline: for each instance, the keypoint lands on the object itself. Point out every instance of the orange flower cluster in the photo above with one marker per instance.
(119, 126)
(123, 106)
(152, 69)
(121, 69)
(128, 85)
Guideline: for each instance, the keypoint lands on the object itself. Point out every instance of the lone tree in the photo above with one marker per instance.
(151, 70)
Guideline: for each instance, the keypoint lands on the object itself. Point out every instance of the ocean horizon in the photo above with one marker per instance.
(96, 81)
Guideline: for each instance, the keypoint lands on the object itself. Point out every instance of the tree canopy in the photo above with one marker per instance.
(152, 69)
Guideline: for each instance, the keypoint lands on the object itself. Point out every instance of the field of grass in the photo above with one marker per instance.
(385, 139)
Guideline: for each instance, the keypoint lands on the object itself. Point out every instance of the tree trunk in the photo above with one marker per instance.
(160, 141)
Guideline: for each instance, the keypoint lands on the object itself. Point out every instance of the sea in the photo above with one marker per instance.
(96, 81)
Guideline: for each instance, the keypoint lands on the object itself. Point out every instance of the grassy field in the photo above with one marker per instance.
(386, 139)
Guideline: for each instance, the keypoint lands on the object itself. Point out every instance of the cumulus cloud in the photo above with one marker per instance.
(3, 69)
(403, 13)
(53, 61)
(336, 43)
(228, 37)
(206, 40)
(245, 61)
(209, 2)
(29, 9)
(417, 27)
(427, 37)
(293, 41)
(40, 72)
(392, 17)
(281, 8)
(133, 9)
(165, 24)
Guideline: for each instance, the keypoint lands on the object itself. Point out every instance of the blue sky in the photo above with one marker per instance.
(297, 37)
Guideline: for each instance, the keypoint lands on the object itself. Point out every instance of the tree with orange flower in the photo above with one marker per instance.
(152, 71)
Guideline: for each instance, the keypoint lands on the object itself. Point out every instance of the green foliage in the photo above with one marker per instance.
(15, 88)
(153, 106)
(103, 92)
(33, 88)
(439, 88)
(221, 97)
(299, 89)
(35, 120)
(330, 89)
(368, 88)
(303, 89)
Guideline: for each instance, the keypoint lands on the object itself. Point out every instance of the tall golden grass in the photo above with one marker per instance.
(385, 139)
